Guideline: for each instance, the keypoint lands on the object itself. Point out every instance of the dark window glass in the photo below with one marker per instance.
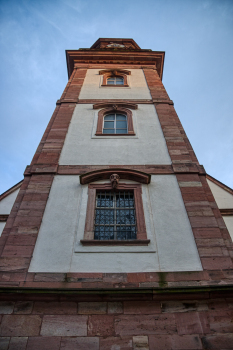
(115, 216)
(115, 81)
(115, 124)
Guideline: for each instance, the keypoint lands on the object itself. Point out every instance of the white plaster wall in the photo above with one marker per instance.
(172, 245)
(229, 224)
(137, 89)
(6, 203)
(2, 225)
(177, 249)
(223, 198)
(82, 147)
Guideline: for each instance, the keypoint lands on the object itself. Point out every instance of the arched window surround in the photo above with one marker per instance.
(115, 109)
(115, 73)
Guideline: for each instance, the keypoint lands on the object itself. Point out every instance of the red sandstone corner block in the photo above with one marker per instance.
(95, 308)
(138, 325)
(175, 342)
(79, 343)
(14, 264)
(216, 263)
(43, 343)
(18, 343)
(20, 326)
(64, 326)
(101, 325)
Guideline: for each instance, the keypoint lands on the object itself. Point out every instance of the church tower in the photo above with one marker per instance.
(115, 240)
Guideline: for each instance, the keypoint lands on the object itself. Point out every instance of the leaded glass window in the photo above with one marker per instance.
(115, 124)
(115, 81)
(115, 217)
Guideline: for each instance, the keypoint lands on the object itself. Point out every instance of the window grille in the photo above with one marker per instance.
(115, 124)
(115, 81)
(115, 217)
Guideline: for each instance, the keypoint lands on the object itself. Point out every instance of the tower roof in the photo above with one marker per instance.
(115, 43)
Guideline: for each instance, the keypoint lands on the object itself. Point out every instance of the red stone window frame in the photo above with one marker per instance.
(115, 73)
(140, 219)
(122, 110)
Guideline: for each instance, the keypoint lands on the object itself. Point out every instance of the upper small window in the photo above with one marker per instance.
(115, 123)
(115, 81)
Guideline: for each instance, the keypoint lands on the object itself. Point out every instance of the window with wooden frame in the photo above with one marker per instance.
(113, 80)
(112, 121)
(115, 77)
(115, 216)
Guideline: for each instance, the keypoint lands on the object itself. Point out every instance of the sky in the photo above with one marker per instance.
(197, 36)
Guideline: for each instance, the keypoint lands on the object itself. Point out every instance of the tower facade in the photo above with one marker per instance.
(115, 240)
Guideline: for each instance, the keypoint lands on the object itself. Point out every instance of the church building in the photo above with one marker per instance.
(116, 238)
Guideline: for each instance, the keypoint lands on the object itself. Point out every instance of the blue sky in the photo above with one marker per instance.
(197, 36)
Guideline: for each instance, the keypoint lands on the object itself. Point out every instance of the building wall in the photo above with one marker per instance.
(83, 147)
(137, 89)
(158, 324)
(223, 198)
(6, 203)
(58, 247)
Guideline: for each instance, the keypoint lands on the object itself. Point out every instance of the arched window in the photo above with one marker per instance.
(115, 119)
(115, 123)
(115, 80)
(115, 77)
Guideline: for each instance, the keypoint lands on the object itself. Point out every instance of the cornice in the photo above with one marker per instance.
(153, 59)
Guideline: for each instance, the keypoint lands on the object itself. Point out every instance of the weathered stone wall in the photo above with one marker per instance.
(117, 322)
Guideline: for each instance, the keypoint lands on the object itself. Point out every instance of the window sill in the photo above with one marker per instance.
(114, 85)
(115, 134)
(136, 242)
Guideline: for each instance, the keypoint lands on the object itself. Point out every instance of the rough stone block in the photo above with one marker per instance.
(92, 308)
(18, 343)
(144, 307)
(115, 277)
(20, 325)
(64, 325)
(44, 343)
(218, 341)
(80, 343)
(216, 263)
(101, 325)
(140, 342)
(123, 343)
(6, 307)
(174, 342)
(126, 325)
(4, 342)
(23, 307)
(188, 323)
(115, 307)
(55, 308)
(221, 321)
(184, 306)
